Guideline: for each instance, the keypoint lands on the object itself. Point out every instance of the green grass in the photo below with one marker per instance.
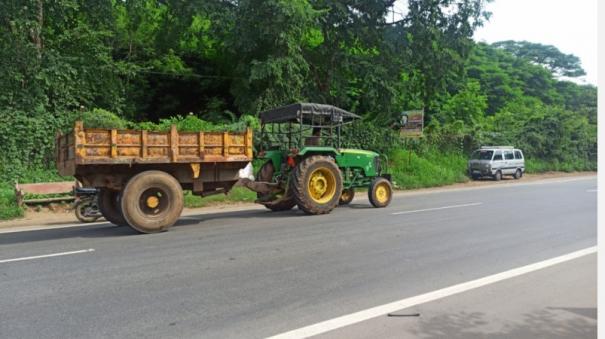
(409, 171)
(8, 203)
(540, 166)
(238, 194)
(33, 176)
(433, 168)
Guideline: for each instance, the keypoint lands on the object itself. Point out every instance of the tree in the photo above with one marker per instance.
(548, 56)
(468, 105)
(269, 39)
(439, 39)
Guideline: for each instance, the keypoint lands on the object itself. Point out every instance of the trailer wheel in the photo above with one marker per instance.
(380, 192)
(347, 196)
(265, 174)
(316, 184)
(152, 201)
(109, 206)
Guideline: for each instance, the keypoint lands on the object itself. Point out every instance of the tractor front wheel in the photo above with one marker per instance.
(380, 192)
(347, 196)
(316, 184)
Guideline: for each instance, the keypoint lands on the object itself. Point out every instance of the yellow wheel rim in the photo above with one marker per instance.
(322, 185)
(383, 193)
(153, 202)
(345, 195)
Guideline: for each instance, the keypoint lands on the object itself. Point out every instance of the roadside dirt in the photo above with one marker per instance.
(62, 214)
(505, 180)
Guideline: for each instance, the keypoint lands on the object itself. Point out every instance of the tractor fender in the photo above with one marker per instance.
(318, 150)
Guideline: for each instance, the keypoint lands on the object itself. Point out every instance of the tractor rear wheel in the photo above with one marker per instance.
(109, 206)
(265, 174)
(347, 196)
(316, 184)
(380, 192)
(152, 201)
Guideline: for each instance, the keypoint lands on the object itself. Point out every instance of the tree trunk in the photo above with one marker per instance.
(37, 31)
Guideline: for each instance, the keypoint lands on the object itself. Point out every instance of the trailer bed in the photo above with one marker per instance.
(128, 147)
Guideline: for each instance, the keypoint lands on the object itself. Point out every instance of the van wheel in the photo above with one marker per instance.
(498, 176)
(518, 174)
(152, 201)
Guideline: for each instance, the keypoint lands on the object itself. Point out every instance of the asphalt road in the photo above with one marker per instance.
(558, 302)
(255, 273)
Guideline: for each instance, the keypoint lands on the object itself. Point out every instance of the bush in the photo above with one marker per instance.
(238, 194)
(8, 203)
(192, 123)
(541, 166)
(431, 168)
(100, 118)
(365, 135)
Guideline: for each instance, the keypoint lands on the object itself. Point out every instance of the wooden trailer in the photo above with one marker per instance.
(142, 174)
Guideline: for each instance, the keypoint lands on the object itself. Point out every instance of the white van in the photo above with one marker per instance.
(496, 161)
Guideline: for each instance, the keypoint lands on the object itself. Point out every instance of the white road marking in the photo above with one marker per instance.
(438, 208)
(47, 255)
(374, 312)
(592, 190)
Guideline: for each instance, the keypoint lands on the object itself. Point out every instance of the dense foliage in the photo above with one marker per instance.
(153, 63)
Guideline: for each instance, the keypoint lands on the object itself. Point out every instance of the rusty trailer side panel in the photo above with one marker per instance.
(84, 147)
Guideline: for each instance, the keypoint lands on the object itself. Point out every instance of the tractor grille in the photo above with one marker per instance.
(378, 165)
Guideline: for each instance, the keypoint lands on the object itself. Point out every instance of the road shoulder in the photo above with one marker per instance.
(40, 220)
(555, 302)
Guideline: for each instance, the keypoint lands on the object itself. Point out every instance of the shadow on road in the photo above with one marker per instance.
(552, 323)
(357, 206)
(110, 230)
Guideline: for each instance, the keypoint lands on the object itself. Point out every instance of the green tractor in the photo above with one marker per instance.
(306, 166)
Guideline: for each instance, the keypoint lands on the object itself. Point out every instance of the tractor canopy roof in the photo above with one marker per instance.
(308, 114)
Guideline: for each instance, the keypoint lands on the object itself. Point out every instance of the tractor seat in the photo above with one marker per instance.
(312, 141)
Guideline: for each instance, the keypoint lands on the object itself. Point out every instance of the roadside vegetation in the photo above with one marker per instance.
(8, 204)
(214, 65)
(238, 194)
(411, 170)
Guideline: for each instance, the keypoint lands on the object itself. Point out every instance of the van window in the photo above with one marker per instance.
(482, 155)
(518, 155)
(508, 155)
(498, 156)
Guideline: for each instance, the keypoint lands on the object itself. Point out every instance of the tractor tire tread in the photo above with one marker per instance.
(265, 174)
(298, 185)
